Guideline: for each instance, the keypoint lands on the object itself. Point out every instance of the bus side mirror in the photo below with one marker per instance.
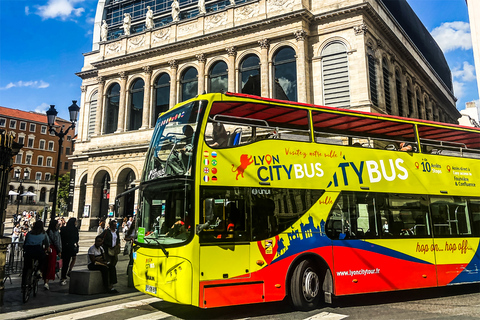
(209, 203)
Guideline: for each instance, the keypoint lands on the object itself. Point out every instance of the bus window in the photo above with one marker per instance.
(403, 215)
(450, 216)
(474, 205)
(352, 217)
(244, 214)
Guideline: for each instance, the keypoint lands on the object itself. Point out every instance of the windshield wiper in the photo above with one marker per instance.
(161, 246)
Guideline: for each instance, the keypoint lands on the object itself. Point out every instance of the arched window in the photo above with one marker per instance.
(189, 83)
(162, 94)
(285, 74)
(136, 104)
(43, 192)
(386, 86)
(409, 100)
(372, 77)
(93, 114)
(111, 110)
(398, 86)
(218, 77)
(419, 106)
(250, 75)
(336, 87)
(51, 195)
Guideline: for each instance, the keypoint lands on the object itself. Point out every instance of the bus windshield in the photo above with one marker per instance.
(165, 214)
(171, 148)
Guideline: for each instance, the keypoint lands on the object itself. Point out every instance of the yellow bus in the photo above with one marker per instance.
(245, 200)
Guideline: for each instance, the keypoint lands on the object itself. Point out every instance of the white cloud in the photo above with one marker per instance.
(34, 84)
(458, 89)
(62, 9)
(42, 108)
(453, 35)
(467, 74)
(27, 10)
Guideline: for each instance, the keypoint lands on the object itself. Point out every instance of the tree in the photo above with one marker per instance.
(63, 190)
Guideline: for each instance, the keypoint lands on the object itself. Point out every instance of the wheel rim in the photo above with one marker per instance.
(311, 284)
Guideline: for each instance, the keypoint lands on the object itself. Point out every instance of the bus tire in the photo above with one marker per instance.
(305, 286)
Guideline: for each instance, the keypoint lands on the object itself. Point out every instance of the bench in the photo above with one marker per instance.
(84, 281)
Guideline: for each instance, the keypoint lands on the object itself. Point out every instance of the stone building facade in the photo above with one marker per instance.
(360, 54)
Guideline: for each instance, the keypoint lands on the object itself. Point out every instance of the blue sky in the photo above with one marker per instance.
(42, 41)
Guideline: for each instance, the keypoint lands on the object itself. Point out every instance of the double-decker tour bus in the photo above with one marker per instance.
(245, 199)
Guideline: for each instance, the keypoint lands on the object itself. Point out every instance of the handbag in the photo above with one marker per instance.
(113, 251)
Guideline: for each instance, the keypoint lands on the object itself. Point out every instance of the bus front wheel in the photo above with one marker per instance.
(305, 286)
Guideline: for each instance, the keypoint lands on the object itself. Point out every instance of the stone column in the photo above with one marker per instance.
(146, 98)
(173, 82)
(302, 83)
(99, 116)
(122, 105)
(83, 117)
(232, 53)
(201, 72)
(264, 78)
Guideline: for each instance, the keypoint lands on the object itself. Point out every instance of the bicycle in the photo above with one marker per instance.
(33, 275)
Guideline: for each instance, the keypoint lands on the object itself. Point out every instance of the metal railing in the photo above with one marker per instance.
(14, 260)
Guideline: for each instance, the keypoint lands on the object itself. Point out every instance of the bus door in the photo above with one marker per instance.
(225, 255)
(456, 248)
(380, 243)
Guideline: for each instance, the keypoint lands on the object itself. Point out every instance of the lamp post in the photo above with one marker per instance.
(17, 175)
(51, 115)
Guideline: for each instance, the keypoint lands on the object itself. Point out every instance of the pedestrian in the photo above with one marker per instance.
(101, 227)
(70, 238)
(55, 250)
(16, 233)
(34, 248)
(97, 261)
(111, 246)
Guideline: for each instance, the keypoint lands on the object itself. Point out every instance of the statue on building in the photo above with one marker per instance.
(232, 2)
(127, 23)
(201, 7)
(104, 31)
(149, 18)
(175, 10)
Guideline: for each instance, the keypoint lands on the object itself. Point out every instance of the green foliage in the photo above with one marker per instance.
(63, 187)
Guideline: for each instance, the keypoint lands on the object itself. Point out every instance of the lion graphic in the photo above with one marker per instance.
(245, 161)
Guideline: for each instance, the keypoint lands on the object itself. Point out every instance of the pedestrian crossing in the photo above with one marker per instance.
(157, 315)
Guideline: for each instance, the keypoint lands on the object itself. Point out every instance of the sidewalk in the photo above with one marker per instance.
(58, 299)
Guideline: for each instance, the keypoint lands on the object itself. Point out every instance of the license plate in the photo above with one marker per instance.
(151, 289)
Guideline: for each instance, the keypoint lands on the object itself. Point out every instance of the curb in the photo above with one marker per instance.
(33, 313)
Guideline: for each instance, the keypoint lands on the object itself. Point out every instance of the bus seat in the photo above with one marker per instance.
(396, 228)
(461, 220)
(235, 137)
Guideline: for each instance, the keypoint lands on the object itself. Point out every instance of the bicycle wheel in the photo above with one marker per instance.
(35, 279)
(26, 287)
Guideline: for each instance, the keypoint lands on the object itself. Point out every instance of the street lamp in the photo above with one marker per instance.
(17, 175)
(51, 115)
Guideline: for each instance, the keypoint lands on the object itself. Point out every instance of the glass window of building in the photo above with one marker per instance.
(23, 126)
(2, 122)
(21, 140)
(38, 176)
(111, 110)
(13, 124)
(336, 87)
(218, 77)
(386, 86)
(189, 83)
(398, 85)
(67, 150)
(136, 104)
(47, 176)
(66, 165)
(49, 162)
(50, 145)
(18, 158)
(409, 100)
(40, 161)
(250, 75)
(33, 127)
(162, 94)
(285, 74)
(93, 114)
(30, 142)
(41, 145)
(28, 159)
(372, 77)
(43, 129)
